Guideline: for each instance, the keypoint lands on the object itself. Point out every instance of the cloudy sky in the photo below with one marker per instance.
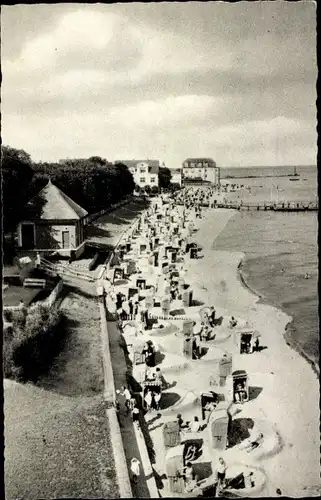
(235, 82)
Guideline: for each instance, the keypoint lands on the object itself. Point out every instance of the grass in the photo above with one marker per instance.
(12, 295)
(57, 436)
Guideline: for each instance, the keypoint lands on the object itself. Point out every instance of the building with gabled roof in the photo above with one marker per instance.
(144, 172)
(59, 226)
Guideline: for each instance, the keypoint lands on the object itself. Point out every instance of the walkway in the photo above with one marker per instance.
(131, 446)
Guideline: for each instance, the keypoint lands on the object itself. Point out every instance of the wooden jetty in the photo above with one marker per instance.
(286, 206)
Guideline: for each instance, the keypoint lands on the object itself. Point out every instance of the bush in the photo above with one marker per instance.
(35, 341)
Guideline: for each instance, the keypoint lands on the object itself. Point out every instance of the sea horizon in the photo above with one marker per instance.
(280, 251)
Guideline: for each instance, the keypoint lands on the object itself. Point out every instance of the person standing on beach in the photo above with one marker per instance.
(221, 473)
(212, 316)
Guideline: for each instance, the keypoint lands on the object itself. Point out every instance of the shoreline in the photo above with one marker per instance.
(287, 334)
(289, 387)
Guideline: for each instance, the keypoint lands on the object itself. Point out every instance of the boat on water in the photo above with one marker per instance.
(295, 176)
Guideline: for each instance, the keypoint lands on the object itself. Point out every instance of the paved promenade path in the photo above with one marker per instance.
(131, 446)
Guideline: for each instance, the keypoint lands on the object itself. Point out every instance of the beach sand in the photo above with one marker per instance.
(289, 398)
(284, 391)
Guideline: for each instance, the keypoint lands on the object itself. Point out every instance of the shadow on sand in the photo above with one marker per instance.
(169, 399)
(254, 392)
(197, 303)
(177, 312)
(159, 479)
(239, 430)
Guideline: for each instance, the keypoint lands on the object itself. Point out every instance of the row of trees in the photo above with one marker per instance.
(93, 183)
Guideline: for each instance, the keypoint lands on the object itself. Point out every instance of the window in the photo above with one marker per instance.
(142, 170)
(200, 170)
(142, 179)
(192, 164)
(152, 179)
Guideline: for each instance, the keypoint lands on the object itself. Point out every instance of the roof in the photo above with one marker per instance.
(58, 206)
(196, 160)
(176, 170)
(152, 164)
(200, 159)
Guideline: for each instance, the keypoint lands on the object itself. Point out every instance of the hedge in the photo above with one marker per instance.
(32, 343)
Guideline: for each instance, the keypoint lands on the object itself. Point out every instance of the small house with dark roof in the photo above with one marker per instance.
(145, 172)
(59, 225)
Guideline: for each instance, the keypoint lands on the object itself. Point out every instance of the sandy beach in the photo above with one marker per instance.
(284, 390)
(290, 389)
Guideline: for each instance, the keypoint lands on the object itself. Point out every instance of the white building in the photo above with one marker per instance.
(145, 172)
(177, 174)
(201, 170)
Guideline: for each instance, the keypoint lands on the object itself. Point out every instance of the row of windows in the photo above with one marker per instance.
(199, 164)
(192, 170)
(141, 170)
(143, 179)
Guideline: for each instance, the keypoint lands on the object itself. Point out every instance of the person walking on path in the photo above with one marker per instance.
(128, 397)
(135, 469)
(135, 415)
(117, 408)
(131, 308)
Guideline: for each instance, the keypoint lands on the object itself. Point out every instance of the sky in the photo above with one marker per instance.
(234, 82)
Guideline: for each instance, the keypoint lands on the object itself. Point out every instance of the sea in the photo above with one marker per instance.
(281, 249)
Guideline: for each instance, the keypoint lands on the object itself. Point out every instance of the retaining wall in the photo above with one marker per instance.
(110, 396)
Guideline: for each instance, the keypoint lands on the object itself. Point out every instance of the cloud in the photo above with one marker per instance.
(82, 39)
(167, 112)
(162, 80)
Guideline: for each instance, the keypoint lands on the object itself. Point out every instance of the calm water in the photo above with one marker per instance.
(280, 249)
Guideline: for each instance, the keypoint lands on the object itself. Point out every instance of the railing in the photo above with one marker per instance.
(285, 206)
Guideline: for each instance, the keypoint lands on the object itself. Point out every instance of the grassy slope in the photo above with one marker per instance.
(56, 435)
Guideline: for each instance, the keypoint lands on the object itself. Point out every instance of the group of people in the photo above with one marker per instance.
(130, 309)
(195, 426)
(192, 480)
(130, 404)
(152, 397)
(240, 393)
(249, 343)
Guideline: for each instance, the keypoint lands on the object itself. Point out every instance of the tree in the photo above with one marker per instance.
(93, 183)
(16, 177)
(164, 176)
(175, 186)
